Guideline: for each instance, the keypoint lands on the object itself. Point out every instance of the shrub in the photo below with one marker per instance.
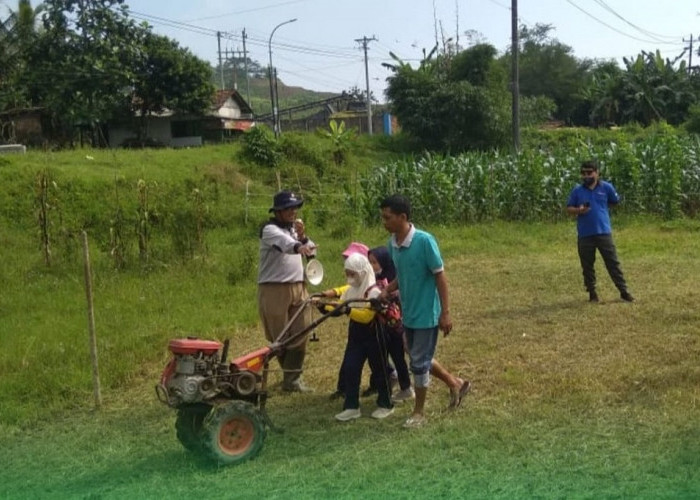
(341, 138)
(299, 148)
(692, 124)
(261, 147)
(536, 110)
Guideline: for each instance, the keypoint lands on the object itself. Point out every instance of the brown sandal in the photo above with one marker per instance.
(456, 399)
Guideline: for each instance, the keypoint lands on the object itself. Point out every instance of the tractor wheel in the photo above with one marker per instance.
(233, 432)
(188, 425)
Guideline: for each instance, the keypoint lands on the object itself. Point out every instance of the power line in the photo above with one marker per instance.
(615, 29)
(307, 76)
(176, 24)
(260, 42)
(265, 7)
(603, 4)
(500, 4)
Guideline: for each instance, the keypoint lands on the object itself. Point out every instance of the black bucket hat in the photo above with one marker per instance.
(284, 200)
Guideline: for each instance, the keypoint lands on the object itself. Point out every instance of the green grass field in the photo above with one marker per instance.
(569, 400)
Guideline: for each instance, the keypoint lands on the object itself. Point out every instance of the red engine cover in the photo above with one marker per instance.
(253, 361)
(193, 346)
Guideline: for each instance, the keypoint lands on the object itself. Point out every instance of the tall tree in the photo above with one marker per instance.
(548, 68)
(169, 77)
(451, 105)
(604, 94)
(82, 66)
(90, 62)
(18, 33)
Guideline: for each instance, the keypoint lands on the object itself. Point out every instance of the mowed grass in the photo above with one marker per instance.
(569, 399)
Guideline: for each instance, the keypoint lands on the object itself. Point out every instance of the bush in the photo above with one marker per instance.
(301, 149)
(536, 110)
(261, 147)
(692, 124)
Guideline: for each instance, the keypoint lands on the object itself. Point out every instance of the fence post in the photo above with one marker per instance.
(91, 324)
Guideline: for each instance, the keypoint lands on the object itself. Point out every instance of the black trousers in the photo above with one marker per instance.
(587, 247)
(397, 352)
(365, 344)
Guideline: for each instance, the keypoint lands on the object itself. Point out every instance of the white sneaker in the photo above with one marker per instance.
(404, 395)
(348, 414)
(380, 413)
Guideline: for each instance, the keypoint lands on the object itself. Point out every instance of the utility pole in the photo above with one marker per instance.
(365, 41)
(275, 116)
(221, 66)
(234, 62)
(245, 64)
(278, 125)
(457, 19)
(690, 53)
(515, 48)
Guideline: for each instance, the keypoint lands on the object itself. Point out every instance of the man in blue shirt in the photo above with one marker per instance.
(422, 285)
(589, 202)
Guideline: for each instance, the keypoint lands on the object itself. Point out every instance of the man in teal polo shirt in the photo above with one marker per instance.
(422, 285)
(589, 202)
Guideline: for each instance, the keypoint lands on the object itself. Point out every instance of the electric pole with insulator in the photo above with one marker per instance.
(365, 41)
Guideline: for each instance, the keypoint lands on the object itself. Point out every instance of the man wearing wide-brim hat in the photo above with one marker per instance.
(281, 288)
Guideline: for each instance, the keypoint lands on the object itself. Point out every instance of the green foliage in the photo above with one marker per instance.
(90, 62)
(475, 65)
(88, 49)
(692, 123)
(18, 33)
(187, 222)
(548, 68)
(536, 110)
(649, 89)
(261, 147)
(296, 147)
(341, 139)
(657, 176)
(243, 263)
(169, 77)
(443, 114)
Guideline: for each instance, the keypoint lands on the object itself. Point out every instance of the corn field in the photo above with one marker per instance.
(659, 176)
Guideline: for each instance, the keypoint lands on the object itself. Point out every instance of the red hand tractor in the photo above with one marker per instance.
(221, 405)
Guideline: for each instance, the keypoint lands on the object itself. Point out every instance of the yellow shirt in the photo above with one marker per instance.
(361, 313)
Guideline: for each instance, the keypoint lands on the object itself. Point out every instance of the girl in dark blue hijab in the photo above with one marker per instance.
(383, 265)
(385, 273)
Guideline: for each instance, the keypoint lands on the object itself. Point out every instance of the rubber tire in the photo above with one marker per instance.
(233, 432)
(189, 425)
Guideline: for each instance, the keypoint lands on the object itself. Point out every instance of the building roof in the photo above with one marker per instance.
(220, 97)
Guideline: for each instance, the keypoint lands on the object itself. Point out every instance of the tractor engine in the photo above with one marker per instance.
(193, 373)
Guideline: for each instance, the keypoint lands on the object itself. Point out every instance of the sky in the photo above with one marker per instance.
(320, 51)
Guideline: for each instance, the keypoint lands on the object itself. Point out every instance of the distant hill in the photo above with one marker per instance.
(259, 83)
(288, 96)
